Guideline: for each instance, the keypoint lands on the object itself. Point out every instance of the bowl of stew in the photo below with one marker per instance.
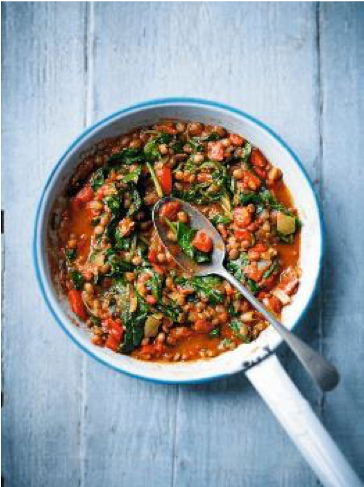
(113, 287)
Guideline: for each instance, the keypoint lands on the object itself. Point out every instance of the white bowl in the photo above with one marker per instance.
(276, 151)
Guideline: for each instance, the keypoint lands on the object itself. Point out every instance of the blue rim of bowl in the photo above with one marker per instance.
(160, 102)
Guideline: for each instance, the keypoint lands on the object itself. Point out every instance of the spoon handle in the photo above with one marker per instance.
(324, 373)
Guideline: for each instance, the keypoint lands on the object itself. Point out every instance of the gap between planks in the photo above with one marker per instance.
(89, 43)
(319, 102)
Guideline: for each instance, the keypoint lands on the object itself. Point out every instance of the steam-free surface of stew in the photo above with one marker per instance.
(119, 280)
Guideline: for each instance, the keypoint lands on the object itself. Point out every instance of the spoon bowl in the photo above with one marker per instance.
(198, 222)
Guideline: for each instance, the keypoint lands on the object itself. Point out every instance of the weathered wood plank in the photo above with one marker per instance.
(342, 67)
(43, 79)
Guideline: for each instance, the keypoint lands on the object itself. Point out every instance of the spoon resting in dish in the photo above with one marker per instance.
(323, 373)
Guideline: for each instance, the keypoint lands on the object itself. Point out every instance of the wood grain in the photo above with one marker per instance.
(343, 198)
(43, 110)
(68, 420)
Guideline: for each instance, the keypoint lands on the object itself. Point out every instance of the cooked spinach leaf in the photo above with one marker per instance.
(216, 219)
(77, 279)
(206, 287)
(98, 178)
(114, 203)
(70, 254)
(133, 176)
(136, 201)
(133, 322)
(126, 156)
(215, 332)
(236, 267)
(121, 243)
(118, 265)
(235, 325)
(151, 151)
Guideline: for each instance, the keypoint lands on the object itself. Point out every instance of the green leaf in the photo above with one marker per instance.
(121, 243)
(133, 176)
(70, 254)
(95, 222)
(237, 266)
(215, 332)
(114, 203)
(247, 150)
(132, 322)
(155, 284)
(235, 326)
(136, 201)
(217, 219)
(77, 279)
(205, 287)
(164, 138)
(98, 179)
(151, 151)
(177, 147)
(118, 265)
(126, 156)
(195, 144)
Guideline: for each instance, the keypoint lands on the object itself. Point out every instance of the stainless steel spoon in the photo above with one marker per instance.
(324, 373)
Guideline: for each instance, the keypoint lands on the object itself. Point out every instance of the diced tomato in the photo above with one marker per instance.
(236, 139)
(169, 210)
(151, 299)
(112, 342)
(261, 173)
(242, 217)
(270, 282)
(159, 269)
(202, 241)
(82, 242)
(259, 247)
(203, 326)
(154, 350)
(273, 304)
(251, 181)
(152, 256)
(242, 235)
(85, 195)
(115, 333)
(76, 303)
(215, 151)
(257, 158)
(164, 176)
(166, 129)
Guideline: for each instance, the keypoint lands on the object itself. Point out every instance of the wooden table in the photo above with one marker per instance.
(69, 421)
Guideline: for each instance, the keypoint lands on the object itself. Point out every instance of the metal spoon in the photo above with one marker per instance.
(324, 373)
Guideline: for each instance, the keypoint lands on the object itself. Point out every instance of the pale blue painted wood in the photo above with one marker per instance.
(43, 109)
(68, 420)
(342, 68)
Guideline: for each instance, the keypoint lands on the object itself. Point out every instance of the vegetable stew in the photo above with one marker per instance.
(119, 279)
